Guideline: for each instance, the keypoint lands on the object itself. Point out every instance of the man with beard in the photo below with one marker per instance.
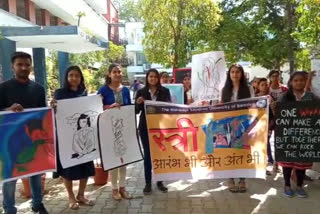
(16, 95)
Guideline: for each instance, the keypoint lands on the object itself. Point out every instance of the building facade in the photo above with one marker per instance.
(67, 26)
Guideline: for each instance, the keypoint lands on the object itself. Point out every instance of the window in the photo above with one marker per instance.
(4, 5)
(53, 21)
(21, 9)
(141, 59)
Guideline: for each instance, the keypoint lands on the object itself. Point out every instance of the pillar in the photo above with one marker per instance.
(30, 11)
(7, 48)
(39, 66)
(63, 63)
(45, 16)
(13, 6)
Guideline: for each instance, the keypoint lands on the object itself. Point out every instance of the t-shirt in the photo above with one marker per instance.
(118, 96)
(275, 93)
(29, 95)
(235, 94)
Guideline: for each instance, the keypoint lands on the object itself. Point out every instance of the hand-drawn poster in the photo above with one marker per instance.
(223, 141)
(315, 84)
(118, 137)
(27, 143)
(176, 92)
(77, 129)
(297, 132)
(209, 73)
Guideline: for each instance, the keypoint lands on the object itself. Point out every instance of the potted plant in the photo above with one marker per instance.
(100, 177)
(26, 191)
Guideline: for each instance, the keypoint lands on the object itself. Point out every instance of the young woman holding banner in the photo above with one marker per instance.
(236, 88)
(263, 90)
(152, 91)
(296, 93)
(115, 95)
(74, 87)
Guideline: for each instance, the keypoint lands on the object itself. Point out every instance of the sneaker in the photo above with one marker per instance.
(301, 193)
(288, 193)
(161, 187)
(147, 189)
(41, 209)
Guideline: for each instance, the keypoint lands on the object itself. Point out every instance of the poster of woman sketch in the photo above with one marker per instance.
(27, 143)
(77, 129)
(118, 137)
(209, 72)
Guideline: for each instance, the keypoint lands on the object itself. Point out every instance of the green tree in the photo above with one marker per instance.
(52, 73)
(176, 28)
(128, 10)
(259, 31)
(309, 22)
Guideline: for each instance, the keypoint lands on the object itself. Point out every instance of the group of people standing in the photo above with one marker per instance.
(20, 93)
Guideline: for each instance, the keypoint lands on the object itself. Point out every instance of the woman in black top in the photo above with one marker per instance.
(152, 91)
(74, 87)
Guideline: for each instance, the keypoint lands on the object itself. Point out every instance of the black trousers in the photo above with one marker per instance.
(287, 176)
(147, 156)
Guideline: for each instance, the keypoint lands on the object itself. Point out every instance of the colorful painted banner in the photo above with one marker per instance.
(297, 132)
(209, 73)
(77, 129)
(176, 92)
(118, 140)
(223, 141)
(27, 143)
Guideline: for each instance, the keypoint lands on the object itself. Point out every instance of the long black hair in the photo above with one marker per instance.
(111, 67)
(244, 91)
(289, 95)
(153, 70)
(66, 83)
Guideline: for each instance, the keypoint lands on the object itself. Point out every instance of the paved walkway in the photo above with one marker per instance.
(205, 196)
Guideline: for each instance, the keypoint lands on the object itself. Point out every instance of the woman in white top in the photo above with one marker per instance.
(236, 88)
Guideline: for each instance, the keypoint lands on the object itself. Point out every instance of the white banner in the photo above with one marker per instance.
(209, 73)
(118, 137)
(77, 129)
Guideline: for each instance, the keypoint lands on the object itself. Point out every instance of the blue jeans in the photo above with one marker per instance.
(9, 189)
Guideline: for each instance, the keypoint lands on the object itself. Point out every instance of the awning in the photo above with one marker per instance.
(69, 39)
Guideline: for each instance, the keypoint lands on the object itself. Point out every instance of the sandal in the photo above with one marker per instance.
(73, 205)
(115, 195)
(84, 201)
(124, 194)
(242, 187)
(232, 187)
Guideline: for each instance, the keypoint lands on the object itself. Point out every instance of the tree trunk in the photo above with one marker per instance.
(290, 15)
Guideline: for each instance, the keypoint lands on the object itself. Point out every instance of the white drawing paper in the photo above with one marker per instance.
(208, 76)
(315, 66)
(118, 137)
(77, 129)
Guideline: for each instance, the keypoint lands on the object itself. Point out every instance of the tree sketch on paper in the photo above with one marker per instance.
(83, 137)
(209, 76)
(209, 72)
(119, 146)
